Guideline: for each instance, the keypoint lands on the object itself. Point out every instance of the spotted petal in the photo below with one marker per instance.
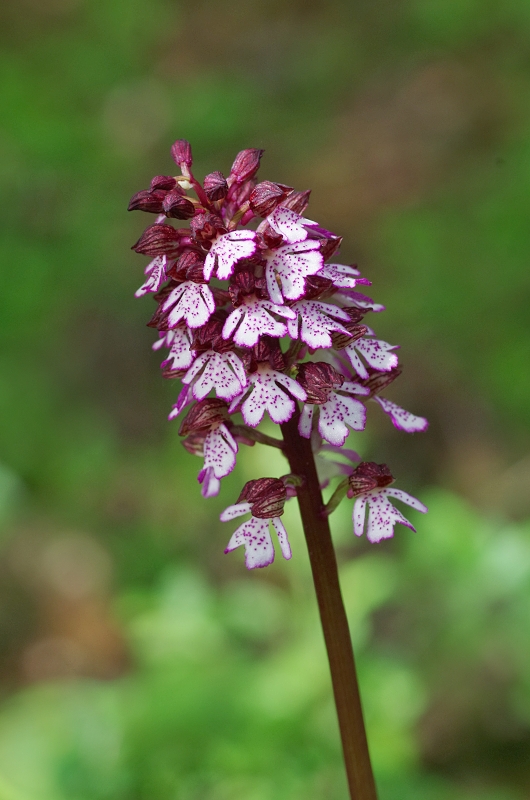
(291, 264)
(266, 395)
(317, 323)
(342, 275)
(180, 354)
(382, 515)
(193, 302)
(254, 320)
(289, 224)
(336, 414)
(255, 536)
(223, 372)
(156, 275)
(227, 251)
(401, 419)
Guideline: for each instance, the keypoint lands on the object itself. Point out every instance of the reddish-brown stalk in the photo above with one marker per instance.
(332, 614)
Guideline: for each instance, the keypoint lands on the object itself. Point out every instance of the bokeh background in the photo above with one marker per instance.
(137, 661)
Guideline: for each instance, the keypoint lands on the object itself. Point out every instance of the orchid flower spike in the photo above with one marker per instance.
(259, 320)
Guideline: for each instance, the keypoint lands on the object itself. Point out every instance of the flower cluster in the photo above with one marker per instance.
(256, 319)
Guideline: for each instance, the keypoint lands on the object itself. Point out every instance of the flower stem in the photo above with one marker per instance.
(332, 615)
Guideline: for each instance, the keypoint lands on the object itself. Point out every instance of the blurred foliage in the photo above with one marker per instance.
(137, 661)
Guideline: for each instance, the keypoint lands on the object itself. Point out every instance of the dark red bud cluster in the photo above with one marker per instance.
(368, 476)
(267, 497)
(165, 182)
(318, 378)
(204, 415)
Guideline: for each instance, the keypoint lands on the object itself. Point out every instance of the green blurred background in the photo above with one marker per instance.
(137, 661)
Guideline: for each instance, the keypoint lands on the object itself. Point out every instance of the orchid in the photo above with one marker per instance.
(246, 296)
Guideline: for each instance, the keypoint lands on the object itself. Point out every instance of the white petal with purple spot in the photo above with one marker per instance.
(289, 224)
(227, 251)
(401, 419)
(254, 319)
(337, 414)
(291, 264)
(316, 323)
(193, 302)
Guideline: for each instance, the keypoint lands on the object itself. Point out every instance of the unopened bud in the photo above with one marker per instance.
(245, 165)
(318, 378)
(267, 497)
(204, 415)
(147, 200)
(266, 196)
(163, 182)
(215, 186)
(181, 153)
(177, 206)
(297, 201)
(368, 476)
(158, 240)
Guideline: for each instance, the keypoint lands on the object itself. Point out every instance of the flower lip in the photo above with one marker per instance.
(368, 476)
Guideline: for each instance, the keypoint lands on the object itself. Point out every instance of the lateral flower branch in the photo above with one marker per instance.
(255, 318)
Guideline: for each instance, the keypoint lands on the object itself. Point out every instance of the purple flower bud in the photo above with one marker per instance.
(147, 200)
(368, 476)
(246, 165)
(181, 153)
(177, 206)
(164, 182)
(267, 497)
(297, 201)
(203, 415)
(318, 379)
(158, 240)
(266, 196)
(215, 186)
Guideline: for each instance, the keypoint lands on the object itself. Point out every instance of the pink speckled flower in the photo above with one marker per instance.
(246, 292)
